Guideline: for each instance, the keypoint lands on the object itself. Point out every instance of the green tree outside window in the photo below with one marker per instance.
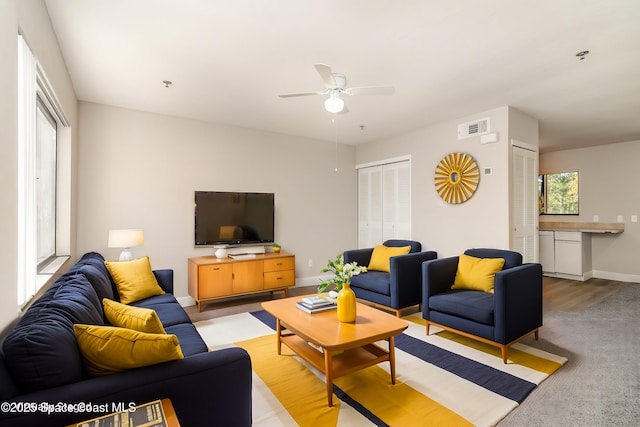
(560, 193)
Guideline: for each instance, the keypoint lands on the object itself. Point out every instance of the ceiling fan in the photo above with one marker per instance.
(336, 85)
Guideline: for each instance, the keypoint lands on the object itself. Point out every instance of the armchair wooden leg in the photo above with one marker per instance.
(427, 328)
(504, 350)
(536, 334)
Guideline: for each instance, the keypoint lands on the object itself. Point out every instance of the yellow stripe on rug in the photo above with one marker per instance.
(396, 405)
(303, 394)
(300, 392)
(516, 356)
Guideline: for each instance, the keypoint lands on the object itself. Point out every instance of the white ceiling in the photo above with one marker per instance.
(229, 60)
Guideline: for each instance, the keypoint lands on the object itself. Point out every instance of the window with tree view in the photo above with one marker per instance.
(559, 193)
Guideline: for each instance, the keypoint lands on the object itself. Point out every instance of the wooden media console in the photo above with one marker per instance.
(212, 278)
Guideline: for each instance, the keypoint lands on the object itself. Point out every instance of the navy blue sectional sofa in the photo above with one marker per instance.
(40, 361)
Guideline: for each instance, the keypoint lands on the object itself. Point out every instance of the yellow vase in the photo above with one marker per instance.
(346, 304)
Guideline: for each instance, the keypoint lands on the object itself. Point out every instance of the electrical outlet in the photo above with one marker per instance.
(310, 263)
(620, 218)
(596, 218)
(634, 218)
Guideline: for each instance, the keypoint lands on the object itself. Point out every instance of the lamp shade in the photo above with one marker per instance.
(125, 238)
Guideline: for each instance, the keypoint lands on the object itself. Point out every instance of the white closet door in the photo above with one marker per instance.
(369, 206)
(525, 203)
(396, 201)
(384, 203)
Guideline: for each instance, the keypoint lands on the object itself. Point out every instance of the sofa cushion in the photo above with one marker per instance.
(92, 265)
(109, 349)
(136, 318)
(472, 305)
(374, 281)
(41, 351)
(381, 254)
(134, 279)
(168, 309)
(99, 279)
(477, 274)
(190, 340)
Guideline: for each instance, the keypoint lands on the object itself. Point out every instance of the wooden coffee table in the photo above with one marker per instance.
(347, 347)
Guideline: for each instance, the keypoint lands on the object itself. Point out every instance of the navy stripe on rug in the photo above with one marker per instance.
(265, 318)
(492, 379)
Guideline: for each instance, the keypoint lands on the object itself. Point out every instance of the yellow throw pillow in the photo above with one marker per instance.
(134, 279)
(136, 318)
(477, 274)
(108, 349)
(381, 254)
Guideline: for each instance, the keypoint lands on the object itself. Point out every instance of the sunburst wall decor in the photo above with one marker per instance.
(456, 178)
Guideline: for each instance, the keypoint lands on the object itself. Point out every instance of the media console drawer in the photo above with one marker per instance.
(212, 278)
(279, 264)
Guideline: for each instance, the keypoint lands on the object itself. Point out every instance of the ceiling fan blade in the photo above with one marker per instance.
(326, 75)
(291, 95)
(370, 90)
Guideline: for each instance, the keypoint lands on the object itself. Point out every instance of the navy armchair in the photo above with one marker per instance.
(511, 312)
(398, 289)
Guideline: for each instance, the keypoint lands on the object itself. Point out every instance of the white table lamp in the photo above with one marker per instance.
(125, 239)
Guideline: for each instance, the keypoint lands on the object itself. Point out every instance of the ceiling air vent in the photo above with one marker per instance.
(476, 127)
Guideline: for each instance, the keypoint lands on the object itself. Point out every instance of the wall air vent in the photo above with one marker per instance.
(476, 127)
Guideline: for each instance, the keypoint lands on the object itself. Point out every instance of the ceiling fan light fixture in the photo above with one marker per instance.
(334, 104)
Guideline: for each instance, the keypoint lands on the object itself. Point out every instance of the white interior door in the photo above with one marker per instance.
(525, 202)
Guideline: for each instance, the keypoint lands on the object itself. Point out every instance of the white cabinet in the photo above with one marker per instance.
(568, 257)
(547, 251)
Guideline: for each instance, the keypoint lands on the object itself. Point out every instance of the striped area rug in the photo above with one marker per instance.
(441, 380)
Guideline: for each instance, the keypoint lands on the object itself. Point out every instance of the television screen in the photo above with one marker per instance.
(233, 218)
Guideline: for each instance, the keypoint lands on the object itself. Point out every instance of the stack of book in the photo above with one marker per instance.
(315, 304)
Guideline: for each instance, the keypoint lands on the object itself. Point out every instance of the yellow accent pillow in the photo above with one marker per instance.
(130, 317)
(134, 279)
(477, 274)
(108, 349)
(381, 254)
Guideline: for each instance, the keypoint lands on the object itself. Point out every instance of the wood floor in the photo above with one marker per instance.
(573, 296)
(559, 294)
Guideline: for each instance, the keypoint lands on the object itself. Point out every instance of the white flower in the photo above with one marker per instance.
(342, 273)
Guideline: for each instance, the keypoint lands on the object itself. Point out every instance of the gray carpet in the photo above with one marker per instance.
(600, 384)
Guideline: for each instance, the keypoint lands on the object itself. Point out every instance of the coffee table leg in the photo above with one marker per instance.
(328, 375)
(278, 336)
(392, 359)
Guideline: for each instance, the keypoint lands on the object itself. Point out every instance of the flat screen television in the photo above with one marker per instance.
(233, 218)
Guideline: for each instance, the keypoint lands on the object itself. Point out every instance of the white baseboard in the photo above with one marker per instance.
(311, 280)
(620, 277)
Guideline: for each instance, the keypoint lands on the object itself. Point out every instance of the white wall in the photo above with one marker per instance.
(140, 170)
(30, 18)
(482, 221)
(608, 181)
